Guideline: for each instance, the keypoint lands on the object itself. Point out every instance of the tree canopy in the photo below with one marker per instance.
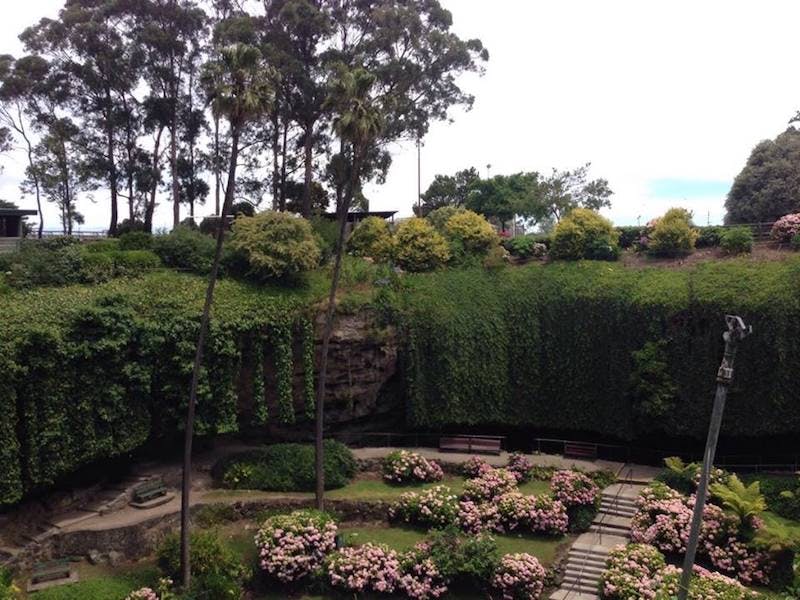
(768, 187)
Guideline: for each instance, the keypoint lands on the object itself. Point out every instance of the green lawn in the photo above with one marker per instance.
(102, 583)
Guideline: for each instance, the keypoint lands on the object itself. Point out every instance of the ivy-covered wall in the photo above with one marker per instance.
(601, 348)
(92, 373)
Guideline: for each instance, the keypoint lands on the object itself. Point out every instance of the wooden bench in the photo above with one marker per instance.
(147, 492)
(580, 450)
(479, 444)
(52, 573)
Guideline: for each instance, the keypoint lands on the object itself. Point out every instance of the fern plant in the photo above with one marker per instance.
(744, 501)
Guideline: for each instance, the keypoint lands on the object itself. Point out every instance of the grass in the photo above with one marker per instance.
(102, 583)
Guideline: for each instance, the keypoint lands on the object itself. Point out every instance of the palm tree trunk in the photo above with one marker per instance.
(319, 421)
(186, 485)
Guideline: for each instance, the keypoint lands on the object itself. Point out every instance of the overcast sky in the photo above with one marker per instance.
(665, 99)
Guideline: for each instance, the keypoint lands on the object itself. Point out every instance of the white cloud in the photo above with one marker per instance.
(643, 90)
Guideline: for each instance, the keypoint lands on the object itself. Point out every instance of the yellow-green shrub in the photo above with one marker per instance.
(442, 215)
(673, 234)
(583, 233)
(419, 247)
(472, 231)
(372, 238)
(275, 244)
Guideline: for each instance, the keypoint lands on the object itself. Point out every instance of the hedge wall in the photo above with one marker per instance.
(602, 348)
(88, 373)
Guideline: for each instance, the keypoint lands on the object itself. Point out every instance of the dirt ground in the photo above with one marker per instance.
(762, 252)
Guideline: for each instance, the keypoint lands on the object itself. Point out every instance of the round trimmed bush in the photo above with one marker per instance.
(275, 244)
(672, 235)
(135, 240)
(709, 237)
(526, 246)
(216, 570)
(97, 267)
(372, 238)
(439, 217)
(186, 249)
(583, 233)
(471, 231)
(285, 468)
(737, 240)
(419, 247)
(129, 263)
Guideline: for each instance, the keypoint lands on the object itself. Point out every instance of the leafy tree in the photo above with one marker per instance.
(504, 196)
(768, 187)
(448, 190)
(564, 191)
(237, 86)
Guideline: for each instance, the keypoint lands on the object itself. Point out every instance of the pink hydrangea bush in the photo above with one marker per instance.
(475, 466)
(293, 547)
(664, 519)
(573, 488)
(489, 485)
(518, 577)
(786, 228)
(514, 512)
(520, 467)
(367, 568)
(144, 593)
(640, 571)
(434, 508)
(402, 466)
(421, 579)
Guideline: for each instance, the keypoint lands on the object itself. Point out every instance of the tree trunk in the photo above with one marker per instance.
(283, 165)
(275, 170)
(319, 421)
(186, 486)
(308, 161)
(216, 165)
(112, 183)
(151, 203)
(173, 168)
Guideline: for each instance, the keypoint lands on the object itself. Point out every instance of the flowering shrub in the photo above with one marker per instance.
(490, 485)
(143, 594)
(146, 593)
(573, 488)
(640, 571)
(475, 466)
(403, 466)
(514, 511)
(366, 568)
(436, 508)
(520, 467)
(292, 547)
(664, 520)
(519, 577)
(786, 228)
(421, 579)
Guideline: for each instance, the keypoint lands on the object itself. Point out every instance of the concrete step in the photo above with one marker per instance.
(621, 502)
(604, 543)
(590, 568)
(588, 559)
(613, 521)
(579, 585)
(591, 579)
(626, 514)
(570, 595)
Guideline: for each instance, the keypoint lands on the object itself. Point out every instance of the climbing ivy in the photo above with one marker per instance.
(260, 411)
(309, 349)
(282, 345)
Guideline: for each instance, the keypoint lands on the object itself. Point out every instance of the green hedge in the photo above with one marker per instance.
(90, 373)
(553, 347)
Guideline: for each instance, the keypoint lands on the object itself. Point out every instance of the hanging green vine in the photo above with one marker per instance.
(282, 342)
(260, 411)
(308, 367)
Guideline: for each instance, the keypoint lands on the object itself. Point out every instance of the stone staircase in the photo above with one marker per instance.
(587, 557)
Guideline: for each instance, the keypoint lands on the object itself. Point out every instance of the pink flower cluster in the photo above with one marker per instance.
(403, 466)
(639, 571)
(292, 547)
(520, 467)
(374, 569)
(489, 485)
(573, 488)
(519, 577)
(475, 466)
(514, 511)
(436, 508)
(786, 228)
(142, 594)
(664, 518)
(366, 568)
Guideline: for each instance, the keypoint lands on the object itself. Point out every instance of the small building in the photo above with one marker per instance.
(11, 230)
(355, 217)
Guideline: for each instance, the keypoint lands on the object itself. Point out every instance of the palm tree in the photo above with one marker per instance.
(358, 122)
(237, 87)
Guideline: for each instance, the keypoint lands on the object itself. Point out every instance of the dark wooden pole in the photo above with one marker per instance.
(736, 332)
